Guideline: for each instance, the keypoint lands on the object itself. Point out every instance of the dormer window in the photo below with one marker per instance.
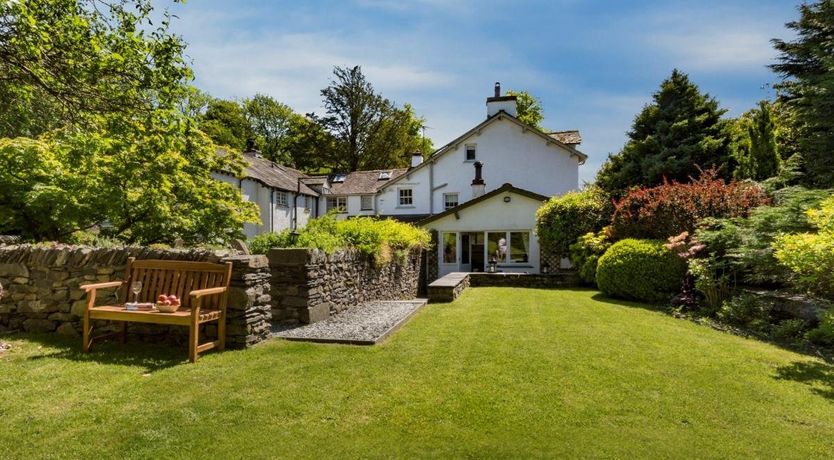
(338, 178)
(384, 175)
(471, 154)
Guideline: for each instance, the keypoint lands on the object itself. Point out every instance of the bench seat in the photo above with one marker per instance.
(181, 316)
(202, 287)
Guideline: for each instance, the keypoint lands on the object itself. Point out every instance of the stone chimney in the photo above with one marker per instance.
(498, 103)
(416, 159)
(478, 185)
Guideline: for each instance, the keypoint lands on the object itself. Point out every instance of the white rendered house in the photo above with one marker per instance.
(481, 191)
(477, 194)
(283, 197)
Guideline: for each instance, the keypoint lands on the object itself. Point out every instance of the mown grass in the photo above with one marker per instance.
(499, 373)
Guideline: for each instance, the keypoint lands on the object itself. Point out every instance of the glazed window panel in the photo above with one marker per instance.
(519, 247)
(450, 200)
(367, 203)
(339, 203)
(497, 246)
(281, 199)
(450, 248)
(406, 197)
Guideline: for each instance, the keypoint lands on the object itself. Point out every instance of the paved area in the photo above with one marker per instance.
(362, 325)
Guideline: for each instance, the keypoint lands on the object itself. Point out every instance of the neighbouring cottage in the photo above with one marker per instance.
(478, 194)
(283, 195)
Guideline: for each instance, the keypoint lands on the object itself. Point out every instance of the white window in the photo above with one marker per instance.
(509, 247)
(470, 152)
(406, 197)
(367, 203)
(450, 200)
(308, 204)
(450, 248)
(339, 178)
(282, 199)
(338, 203)
(384, 175)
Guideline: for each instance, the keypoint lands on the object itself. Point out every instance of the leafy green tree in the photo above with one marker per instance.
(529, 108)
(807, 67)
(369, 131)
(754, 144)
(65, 61)
(673, 138)
(115, 152)
(270, 122)
(226, 124)
(138, 187)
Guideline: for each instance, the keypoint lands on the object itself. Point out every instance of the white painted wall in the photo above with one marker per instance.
(493, 215)
(354, 206)
(281, 216)
(508, 153)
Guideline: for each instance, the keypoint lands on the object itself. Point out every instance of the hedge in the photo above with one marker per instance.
(642, 270)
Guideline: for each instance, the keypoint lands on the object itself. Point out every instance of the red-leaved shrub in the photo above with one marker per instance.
(672, 208)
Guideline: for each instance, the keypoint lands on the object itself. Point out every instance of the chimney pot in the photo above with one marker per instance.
(497, 89)
(416, 159)
(478, 185)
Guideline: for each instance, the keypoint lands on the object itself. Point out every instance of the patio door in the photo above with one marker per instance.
(465, 253)
(449, 256)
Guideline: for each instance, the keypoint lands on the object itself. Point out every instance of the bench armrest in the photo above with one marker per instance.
(208, 291)
(109, 284)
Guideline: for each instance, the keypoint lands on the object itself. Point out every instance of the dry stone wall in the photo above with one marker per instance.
(43, 294)
(309, 285)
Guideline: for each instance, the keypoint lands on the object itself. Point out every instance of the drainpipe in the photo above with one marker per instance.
(271, 210)
(431, 188)
(295, 205)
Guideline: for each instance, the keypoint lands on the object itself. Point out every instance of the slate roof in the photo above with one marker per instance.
(363, 182)
(275, 175)
(570, 137)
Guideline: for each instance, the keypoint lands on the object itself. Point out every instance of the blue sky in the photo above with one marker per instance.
(593, 63)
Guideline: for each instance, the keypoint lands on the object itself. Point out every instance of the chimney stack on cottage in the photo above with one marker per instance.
(416, 159)
(478, 185)
(498, 103)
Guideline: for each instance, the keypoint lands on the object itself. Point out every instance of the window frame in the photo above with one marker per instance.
(474, 149)
(446, 200)
(362, 199)
(282, 199)
(507, 235)
(342, 209)
(410, 197)
(444, 245)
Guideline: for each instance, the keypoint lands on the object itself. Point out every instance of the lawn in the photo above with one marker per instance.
(499, 373)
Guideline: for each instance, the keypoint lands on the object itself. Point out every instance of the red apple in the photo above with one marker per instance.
(166, 302)
(161, 297)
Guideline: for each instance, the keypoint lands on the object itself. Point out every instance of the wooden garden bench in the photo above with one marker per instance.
(201, 286)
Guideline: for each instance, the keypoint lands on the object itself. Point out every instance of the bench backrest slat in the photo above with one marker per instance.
(178, 278)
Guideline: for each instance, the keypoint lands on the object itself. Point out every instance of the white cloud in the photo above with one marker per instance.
(718, 40)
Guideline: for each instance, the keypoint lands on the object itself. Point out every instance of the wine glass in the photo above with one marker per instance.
(136, 288)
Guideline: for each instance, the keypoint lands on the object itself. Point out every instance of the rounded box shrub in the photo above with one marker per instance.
(640, 270)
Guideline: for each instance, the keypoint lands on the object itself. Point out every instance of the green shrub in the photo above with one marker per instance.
(585, 253)
(789, 330)
(563, 219)
(745, 310)
(810, 256)
(382, 239)
(823, 334)
(641, 270)
(262, 243)
(743, 246)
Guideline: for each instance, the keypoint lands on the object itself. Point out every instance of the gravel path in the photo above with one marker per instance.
(363, 324)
